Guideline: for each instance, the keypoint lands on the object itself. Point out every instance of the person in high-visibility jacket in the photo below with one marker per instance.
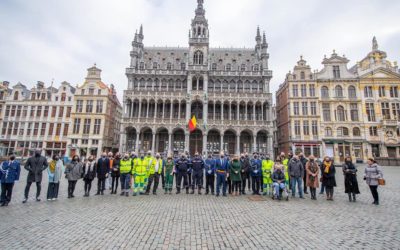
(267, 170)
(155, 170)
(151, 161)
(139, 173)
(285, 162)
(125, 169)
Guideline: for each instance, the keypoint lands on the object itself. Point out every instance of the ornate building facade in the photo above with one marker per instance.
(226, 89)
(37, 118)
(96, 118)
(357, 112)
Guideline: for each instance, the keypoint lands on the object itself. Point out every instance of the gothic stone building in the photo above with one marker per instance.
(226, 89)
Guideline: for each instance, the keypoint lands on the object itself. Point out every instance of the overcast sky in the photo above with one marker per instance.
(44, 39)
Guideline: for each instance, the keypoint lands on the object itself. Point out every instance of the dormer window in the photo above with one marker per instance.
(141, 66)
(169, 66)
(16, 95)
(336, 72)
(228, 67)
(243, 67)
(214, 66)
(302, 75)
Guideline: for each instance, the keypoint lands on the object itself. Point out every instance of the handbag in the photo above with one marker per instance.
(381, 182)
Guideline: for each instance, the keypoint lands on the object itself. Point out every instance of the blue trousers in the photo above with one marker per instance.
(299, 181)
(125, 178)
(221, 179)
(278, 186)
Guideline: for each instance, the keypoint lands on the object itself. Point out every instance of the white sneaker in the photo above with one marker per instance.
(54, 199)
(48, 199)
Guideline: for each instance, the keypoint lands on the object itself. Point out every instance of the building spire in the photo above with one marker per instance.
(374, 44)
(136, 36)
(258, 36)
(264, 38)
(141, 30)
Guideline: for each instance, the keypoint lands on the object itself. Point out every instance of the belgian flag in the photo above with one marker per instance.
(192, 124)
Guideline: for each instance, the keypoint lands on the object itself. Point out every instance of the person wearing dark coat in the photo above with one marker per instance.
(89, 173)
(103, 167)
(235, 168)
(210, 174)
(115, 174)
(350, 179)
(255, 167)
(328, 177)
(197, 174)
(9, 174)
(35, 166)
(245, 172)
(304, 161)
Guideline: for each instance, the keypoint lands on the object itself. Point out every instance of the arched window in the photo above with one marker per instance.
(243, 67)
(302, 75)
(16, 95)
(225, 86)
(228, 67)
(201, 83)
(141, 67)
(240, 86)
(198, 58)
(352, 92)
(342, 131)
(169, 66)
(194, 83)
(324, 92)
(340, 114)
(214, 66)
(328, 131)
(356, 132)
(198, 31)
(218, 86)
(256, 68)
(338, 91)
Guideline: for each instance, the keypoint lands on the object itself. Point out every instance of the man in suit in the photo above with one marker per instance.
(103, 169)
(35, 166)
(9, 173)
(222, 167)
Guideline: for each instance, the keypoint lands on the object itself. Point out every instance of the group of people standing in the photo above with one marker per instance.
(223, 175)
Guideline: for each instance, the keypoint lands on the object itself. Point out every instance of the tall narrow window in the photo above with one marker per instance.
(324, 92)
(306, 128)
(297, 127)
(385, 110)
(198, 58)
(368, 91)
(354, 112)
(326, 111)
(382, 92)
(312, 90)
(336, 72)
(352, 92)
(370, 112)
(295, 90)
(303, 90)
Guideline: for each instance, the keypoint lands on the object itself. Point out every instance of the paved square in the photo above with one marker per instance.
(203, 222)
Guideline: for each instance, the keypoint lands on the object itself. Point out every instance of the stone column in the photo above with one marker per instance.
(238, 144)
(179, 110)
(222, 111)
(163, 110)
(254, 112)
(187, 134)
(221, 146)
(156, 110)
(122, 146)
(254, 143)
(148, 107)
(140, 109)
(171, 110)
(188, 104)
(169, 143)
(204, 143)
(245, 112)
(137, 143)
(237, 112)
(205, 112)
(153, 143)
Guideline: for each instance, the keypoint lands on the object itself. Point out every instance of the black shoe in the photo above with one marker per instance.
(102, 193)
(244, 193)
(217, 195)
(73, 196)
(122, 193)
(192, 192)
(206, 193)
(354, 198)
(178, 192)
(199, 192)
(224, 195)
(306, 192)
(146, 193)
(98, 193)
(25, 200)
(187, 191)
(2, 204)
(154, 193)
(127, 194)
(212, 193)
(38, 199)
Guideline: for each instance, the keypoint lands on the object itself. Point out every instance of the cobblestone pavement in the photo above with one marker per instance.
(203, 222)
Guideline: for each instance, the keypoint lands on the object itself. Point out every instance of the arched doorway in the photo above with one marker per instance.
(213, 142)
(262, 142)
(196, 142)
(162, 141)
(229, 142)
(130, 139)
(178, 141)
(245, 142)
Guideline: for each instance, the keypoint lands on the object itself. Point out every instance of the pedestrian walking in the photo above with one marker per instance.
(73, 172)
(54, 171)
(350, 179)
(9, 173)
(35, 166)
(328, 177)
(89, 173)
(372, 174)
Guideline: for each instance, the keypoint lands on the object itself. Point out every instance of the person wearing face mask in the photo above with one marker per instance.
(197, 174)
(115, 174)
(278, 179)
(372, 174)
(73, 172)
(296, 172)
(54, 171)
(35, 166)
(102, 170)
(304, 161)
(235, 168)
(89, 173)
(210, 174)
(9, 173)
(151, 164)
(182, 167)
(312, 171)
(154, 174)
(328, 177)
(285, 162)
(256, 174)
(267, 170)
(169, 170)
(245, 161)
(125, 166)
(350, 179)
(139, 174)
(222, 168)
